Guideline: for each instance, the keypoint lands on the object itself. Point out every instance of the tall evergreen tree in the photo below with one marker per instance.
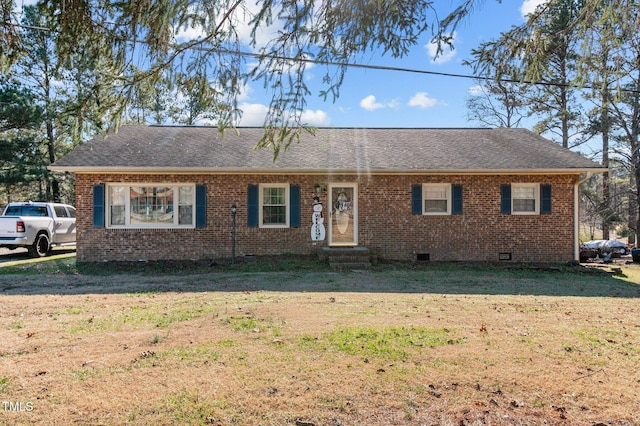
(555, 101)
(68, 90)
(21, 162)
(625, 112)
(552, 69)
(602, 59)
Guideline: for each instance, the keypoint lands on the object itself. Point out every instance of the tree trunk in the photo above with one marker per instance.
(606, 195)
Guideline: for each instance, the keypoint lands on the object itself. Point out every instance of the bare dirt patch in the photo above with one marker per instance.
(439, 345)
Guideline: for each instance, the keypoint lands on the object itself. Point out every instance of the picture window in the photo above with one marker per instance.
(150, 206)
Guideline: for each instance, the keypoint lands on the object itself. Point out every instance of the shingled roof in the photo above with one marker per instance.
(151, 149)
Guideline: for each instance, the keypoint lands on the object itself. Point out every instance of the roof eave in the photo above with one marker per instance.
(280, 171)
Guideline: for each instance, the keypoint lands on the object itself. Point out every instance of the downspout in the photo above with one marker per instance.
(576, 217)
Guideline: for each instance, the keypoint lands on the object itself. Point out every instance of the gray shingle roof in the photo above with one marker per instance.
(348, 150)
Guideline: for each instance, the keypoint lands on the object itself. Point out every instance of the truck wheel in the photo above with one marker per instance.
(40, 246)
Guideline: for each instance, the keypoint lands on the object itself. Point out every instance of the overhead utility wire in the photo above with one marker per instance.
(398, 69)
(361, 66)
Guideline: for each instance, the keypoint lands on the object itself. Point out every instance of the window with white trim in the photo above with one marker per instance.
(150, 205)
(436, 198)
(274, 205)
(525, 198)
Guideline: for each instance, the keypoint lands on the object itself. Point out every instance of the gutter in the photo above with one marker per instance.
(576, 216)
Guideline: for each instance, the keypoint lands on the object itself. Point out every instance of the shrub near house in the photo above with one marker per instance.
(155, 193)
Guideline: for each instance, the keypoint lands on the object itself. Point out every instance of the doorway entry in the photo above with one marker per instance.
(343, 214)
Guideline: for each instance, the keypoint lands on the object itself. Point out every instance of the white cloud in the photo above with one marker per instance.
(422, 100)
(446, 54)
(253, 114)
(393, 104)
(316, 118)
(371, 104)
(529, 6)
(263, 35)
(183, 34)
(475, 90)
(244, 92)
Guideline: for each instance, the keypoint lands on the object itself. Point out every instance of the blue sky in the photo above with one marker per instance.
(378, 98)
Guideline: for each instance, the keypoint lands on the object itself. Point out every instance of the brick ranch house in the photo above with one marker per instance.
(159, 193)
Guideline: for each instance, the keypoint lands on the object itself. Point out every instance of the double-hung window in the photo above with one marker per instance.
(150, 205)
(437, 198)
(274, 206)
(525, 198)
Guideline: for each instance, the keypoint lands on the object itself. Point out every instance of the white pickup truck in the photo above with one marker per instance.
(37, 226)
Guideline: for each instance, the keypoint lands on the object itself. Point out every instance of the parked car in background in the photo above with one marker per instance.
(605, 249)
(37, 226)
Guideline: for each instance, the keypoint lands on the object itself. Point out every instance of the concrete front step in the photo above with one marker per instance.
(347, 257)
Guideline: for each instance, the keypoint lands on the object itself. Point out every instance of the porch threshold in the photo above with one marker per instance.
(347, 257)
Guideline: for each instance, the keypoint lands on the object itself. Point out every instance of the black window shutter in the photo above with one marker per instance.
(505, 204)
(201, 206)
(545, 199)
(456, 195)
(252, 206)
(416, 199)
(98, 206)
(294, 206)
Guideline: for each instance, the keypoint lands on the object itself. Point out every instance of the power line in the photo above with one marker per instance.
(356, 65)
(402, 69)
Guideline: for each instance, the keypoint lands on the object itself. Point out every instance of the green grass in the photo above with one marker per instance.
(4, 384)
(74, 310)
(162, 318)
(601, 343)
(92, 325)
(289, 272)
(248, 323)
(392, 343)
(227, 343)
(242, 323)
(196, 353)
(16, 325)
(158, 316)
(184, 407)
(69, 266)
(85, 374)
(180, 356)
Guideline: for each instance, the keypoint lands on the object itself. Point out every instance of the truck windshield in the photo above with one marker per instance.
(26, 211)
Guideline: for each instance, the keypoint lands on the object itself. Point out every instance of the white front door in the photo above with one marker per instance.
(343, 214)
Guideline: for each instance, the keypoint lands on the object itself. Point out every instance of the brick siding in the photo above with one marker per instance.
(385, 222)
